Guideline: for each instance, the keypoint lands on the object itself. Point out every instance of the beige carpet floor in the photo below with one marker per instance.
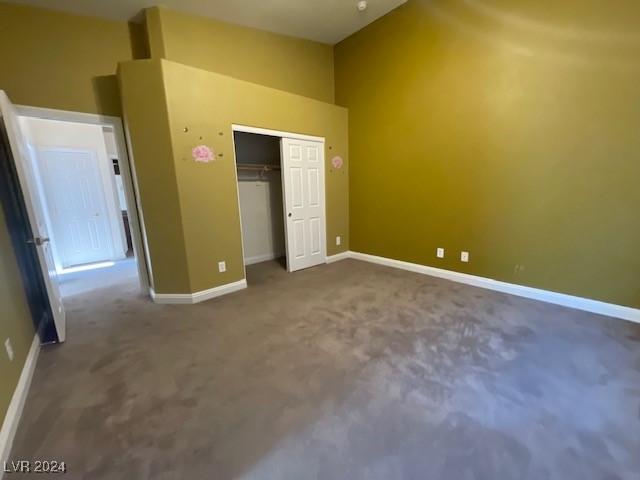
(344, 371)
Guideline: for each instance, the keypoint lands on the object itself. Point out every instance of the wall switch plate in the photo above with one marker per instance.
(338, 240)
(464, 256)
(440, 252)
(222, 267)
(9, 348)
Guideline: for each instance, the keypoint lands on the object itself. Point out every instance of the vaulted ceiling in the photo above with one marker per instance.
(327, 21)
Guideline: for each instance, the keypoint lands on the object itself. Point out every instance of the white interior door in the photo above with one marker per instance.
(18, 145)
(303, 192)
(77, 205)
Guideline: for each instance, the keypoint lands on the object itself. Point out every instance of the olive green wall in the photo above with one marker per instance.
(291, 64)
(207, 104)
(15, 320)
(510, 129)
(57, 60)
(147, 125)
(153, 27)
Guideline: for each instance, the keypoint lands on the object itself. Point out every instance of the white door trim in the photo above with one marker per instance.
(127, 170)
(579, 303)
(67, 115)
(235, 172)
(275, 133)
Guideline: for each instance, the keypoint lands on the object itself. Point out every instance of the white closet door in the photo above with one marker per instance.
(303, 191)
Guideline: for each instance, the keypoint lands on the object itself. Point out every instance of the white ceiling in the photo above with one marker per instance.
(327, 21)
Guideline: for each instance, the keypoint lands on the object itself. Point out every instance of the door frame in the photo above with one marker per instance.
(281, 134)
(127, 170)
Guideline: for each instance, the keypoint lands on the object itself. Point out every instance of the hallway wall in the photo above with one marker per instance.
(15, 320)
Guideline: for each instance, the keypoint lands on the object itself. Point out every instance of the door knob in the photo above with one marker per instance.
(289, 215)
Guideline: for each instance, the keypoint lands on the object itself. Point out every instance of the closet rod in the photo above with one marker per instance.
(247, 166)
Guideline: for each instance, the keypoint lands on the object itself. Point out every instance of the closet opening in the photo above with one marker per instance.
(260, 196)
(281, 198)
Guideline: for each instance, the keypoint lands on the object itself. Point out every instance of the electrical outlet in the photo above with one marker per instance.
(518, 268)
(338, 240)
(9, 348)
(222, 267)
(440, 252)
(464, 256)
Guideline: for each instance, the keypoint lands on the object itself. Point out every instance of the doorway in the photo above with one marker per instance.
(78, 163)
(61, 192)
(260, 195)
(281, 195)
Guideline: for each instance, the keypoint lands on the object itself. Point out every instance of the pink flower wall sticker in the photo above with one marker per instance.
(337, 162)
(202, 154)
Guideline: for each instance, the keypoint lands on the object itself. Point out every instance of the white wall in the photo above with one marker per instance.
(262, 218)
(59, 134)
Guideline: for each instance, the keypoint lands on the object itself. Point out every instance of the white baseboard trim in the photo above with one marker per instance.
(262, 258)
(14, 412)
(339, 256)
(579, 303)
(197, 297)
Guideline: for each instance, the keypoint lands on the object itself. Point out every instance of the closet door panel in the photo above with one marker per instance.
(303, 185)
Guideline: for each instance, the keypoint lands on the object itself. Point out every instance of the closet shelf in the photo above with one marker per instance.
(262, 170)
(256, 167)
